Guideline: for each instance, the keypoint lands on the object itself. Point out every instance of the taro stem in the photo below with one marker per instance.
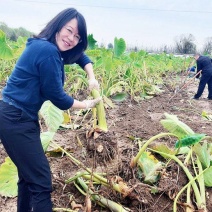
(199, 201)
(101, 116)
(136, 158)
(113, 206)
(123, 189)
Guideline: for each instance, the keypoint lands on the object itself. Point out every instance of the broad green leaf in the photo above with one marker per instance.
(189, 140)
(175, 126)
(207, 177)
(52, 115)
(91, 42)
(120, 97)
(108, 64)
(46, 138)
(119, 47)
(203, 154)
(20, 46)
(150, 167)
(98, 63)
(8, 178)
(6, 52)
(142, 53)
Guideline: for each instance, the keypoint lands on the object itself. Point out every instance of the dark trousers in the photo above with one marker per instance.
(205, 79)
(20, 136)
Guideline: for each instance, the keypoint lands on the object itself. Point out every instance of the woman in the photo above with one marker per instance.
(39, 76)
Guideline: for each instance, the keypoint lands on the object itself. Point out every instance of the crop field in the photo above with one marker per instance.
(154, 152)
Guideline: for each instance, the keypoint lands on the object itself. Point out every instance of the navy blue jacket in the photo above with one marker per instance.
(39, 76)
(204, 64)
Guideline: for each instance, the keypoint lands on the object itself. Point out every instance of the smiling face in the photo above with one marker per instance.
(68, 36)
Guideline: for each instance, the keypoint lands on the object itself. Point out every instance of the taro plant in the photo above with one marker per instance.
(198, 154)
(10, 50)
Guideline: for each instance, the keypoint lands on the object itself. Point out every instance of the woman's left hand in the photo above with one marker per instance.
(93, 84)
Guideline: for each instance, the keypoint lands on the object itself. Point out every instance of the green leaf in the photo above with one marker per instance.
(173, 125)
(120, 97)
(8, 179)
(91, 42)
(203, 154)
(119, 47)
(6, 52)
(189, 140)
(207, 177)
(52, 115)
(46, 138)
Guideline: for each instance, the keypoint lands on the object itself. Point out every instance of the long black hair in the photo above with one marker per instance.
(57, 23)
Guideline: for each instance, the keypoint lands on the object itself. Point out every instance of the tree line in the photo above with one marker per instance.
(13, 33)
(184, 44)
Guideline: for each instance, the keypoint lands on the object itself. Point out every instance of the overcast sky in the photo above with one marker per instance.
(143, 23)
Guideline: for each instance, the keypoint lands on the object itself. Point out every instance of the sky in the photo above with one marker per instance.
(141, 23)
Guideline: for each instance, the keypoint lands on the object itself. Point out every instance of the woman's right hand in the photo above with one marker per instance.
(91, 103)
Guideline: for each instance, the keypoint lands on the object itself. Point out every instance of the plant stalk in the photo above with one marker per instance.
(101, 116)
(136, 158)
(124, 190)
(200, 202)
(113, 206)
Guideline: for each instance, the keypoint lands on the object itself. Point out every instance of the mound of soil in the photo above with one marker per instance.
(112, 152)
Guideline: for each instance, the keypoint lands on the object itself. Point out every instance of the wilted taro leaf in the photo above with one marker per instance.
(150, 167)
(108, 101)
(165, 149)
(8, 179)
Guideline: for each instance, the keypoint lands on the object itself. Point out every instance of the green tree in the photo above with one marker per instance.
(14, 33)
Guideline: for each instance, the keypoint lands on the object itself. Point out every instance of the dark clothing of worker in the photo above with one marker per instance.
(204, 64)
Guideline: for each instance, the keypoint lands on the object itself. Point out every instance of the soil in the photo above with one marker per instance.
(111, 153)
